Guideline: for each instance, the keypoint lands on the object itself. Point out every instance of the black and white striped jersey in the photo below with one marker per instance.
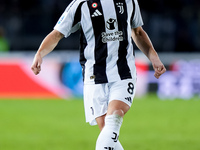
(106, 49)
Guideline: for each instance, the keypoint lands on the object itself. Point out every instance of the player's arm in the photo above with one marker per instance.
(47, 45)
(143, 42)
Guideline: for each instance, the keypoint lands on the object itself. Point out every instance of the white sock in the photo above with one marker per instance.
(109, 135)
(118, 146)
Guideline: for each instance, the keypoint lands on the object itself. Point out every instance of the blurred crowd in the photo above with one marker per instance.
(173, 26)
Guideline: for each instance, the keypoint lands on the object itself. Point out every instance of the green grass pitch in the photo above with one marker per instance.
(151, 124)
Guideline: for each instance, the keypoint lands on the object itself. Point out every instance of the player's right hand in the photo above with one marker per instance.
(36, 66)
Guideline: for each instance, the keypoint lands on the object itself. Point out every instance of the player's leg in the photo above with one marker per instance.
(101, 122)
(124, 93)
(95, 102)
(113, 121)
(108, 138)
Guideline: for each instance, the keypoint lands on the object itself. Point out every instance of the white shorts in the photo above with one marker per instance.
(97, 97)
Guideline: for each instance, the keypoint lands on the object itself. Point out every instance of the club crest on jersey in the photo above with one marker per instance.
(121, 7)
(94, 5)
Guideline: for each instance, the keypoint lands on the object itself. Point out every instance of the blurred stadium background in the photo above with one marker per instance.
(166, 115)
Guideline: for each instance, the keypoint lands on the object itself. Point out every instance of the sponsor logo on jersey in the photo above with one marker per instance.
(111, 24)
(112, 36)
(96, 13)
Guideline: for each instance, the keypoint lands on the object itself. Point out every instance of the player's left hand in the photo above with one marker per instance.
(159, 69)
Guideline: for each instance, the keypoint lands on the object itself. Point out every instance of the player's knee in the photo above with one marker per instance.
(119, 112)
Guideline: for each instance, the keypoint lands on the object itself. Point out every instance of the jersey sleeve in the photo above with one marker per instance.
(68, 23)
(137, 19)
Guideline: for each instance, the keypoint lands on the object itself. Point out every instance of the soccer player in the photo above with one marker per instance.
(107, 58)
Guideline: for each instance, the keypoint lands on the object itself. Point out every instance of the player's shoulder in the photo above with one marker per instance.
(74, 4)
(78, 2)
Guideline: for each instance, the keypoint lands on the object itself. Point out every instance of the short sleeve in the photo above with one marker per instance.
(137, 18)
(65, 24)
